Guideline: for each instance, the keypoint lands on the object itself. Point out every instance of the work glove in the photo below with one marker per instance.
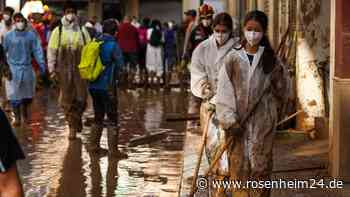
(235, 128)
(207, 92)
(54, 78)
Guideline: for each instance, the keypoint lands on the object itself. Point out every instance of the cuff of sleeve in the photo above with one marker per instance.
(228, 121)
(51, 68)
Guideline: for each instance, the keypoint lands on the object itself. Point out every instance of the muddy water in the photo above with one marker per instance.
(56, 167)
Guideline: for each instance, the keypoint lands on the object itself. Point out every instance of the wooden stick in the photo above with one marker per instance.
(204, 140)
(290, 117)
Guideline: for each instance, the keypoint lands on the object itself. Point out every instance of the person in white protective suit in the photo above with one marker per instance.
(207, 60)
(251, 76)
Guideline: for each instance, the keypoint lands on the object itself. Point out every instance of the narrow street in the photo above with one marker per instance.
(56, 167)
(216, 98)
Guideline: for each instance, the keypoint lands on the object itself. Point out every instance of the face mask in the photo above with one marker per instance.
(171, 25)
(70, 17)
(20, 26)
(6, 17)
(221, 38)
(206, 22)
(253, 37)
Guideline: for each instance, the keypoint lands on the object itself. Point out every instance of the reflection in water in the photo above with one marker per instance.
(72, 180)
(153, 115)
(56, 167)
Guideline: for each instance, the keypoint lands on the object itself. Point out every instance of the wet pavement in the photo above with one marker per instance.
(55, 166)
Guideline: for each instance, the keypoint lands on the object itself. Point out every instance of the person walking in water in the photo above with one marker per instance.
(20, 45)
(6, 26)
(103, 92)
(204, 79)
(128, 39)
(252, 83)
(64, 52)
(154, 57)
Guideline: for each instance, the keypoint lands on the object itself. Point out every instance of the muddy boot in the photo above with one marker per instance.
(113, 143)
(94, 140)
(131, 80)
(72, 132)
(17, 113)
(145, 79)
(167, 81)
(157, 82)
(25, 113)
(79, 125)
(72, 128)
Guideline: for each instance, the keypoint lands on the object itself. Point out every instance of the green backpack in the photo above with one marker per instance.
(91, 66)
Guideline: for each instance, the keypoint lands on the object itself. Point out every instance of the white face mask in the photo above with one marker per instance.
(70, 17)
(253, 37)
(206, 22)
(221, 38)
(20, 26)
(171, 25)
(6, 17)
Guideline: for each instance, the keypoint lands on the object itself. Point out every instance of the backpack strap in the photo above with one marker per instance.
(82, 33)
(59, 41)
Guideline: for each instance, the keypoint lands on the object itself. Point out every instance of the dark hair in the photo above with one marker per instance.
(109, 26)
(146, 22)
(10, 10)
(156, 23)
(223, 19)
(268, 57)
(18, 15)
(69, 5)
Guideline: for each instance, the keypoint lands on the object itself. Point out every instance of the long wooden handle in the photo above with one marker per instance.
(204, 140)
(290, 117)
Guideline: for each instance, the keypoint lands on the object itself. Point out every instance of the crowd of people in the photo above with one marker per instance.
(230, 77)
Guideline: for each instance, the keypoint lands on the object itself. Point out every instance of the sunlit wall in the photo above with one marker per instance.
(14, 3)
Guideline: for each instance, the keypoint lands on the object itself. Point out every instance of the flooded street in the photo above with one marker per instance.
(55, 166)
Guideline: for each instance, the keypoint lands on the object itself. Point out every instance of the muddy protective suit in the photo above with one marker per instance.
(207, 60)
(64, 54)
(239, 87)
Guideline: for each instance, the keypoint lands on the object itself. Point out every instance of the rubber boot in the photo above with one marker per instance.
(72, 129)
(113, 137)
(157, 82)
(94, 140)
(17, 113)
(25, 113)
(72, 132)
(131, 79)
(79, 125)
(167, 81)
